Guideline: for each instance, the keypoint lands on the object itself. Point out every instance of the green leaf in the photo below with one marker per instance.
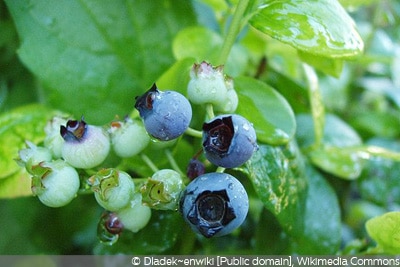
(270, 113)
(344, 163)
(320, 27)
(274, 177)
(331, 155)
(302, 201)
(94, 59)
(17, 184)
(295, 93)
(322, 222)
(205, 45)
(177, 76)
(330, 66)
(379, 181)
(385, 230)
(336, 132)
(17, 126)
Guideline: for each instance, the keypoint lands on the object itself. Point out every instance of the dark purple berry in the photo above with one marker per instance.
(195, 168)
(229, 140)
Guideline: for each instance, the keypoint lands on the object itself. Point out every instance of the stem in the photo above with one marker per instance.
(233, 31)
(149, 162)
(210, 111)
(173, 163)
(194, 133)
(317, 106)
(220, 169)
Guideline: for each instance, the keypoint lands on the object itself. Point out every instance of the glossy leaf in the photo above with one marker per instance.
(17, 126)
(304, 204)
(330, 66)
(320, 27)
(336, 132)
(344, 163)
(331, 155)
(322, 223)
(384, 230)
(102, 55)
(270, 113)
(205, 45)
(379, 181)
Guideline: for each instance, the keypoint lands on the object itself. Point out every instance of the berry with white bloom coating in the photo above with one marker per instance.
(162, 190)
(113, 189)
(232, 100)
(55, 183)
(229, 140)
(214, 204)
(32, 156)
(207, 84)
(128, 138)
(86, 146)
(166, 114)
(135, 216)
(53, 140)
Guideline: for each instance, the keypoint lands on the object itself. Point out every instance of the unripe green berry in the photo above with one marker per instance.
(232, 100)
(162, 190)
(128, 138)
(85, 146)
(207, 84)
(56, 183)
(32, 156)
(53, 140)
(113, 189)
(135, 216)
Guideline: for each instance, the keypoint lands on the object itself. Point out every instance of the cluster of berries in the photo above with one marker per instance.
(213, 204)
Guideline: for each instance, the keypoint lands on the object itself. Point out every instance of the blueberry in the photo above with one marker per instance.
(195, 168)
(85, 146)
(166, 114)
(214, 204)
(229, 140)
(207, 84)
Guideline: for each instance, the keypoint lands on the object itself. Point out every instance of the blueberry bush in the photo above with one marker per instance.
(200, 127)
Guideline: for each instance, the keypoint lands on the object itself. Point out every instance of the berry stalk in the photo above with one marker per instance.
(233, 31)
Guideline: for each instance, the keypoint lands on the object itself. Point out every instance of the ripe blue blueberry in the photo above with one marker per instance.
(214, 204)
(229, 140)
(166, 114)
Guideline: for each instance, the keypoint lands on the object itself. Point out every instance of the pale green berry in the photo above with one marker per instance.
(207, 84)
(53, 140)
(231, 102)
(32, 156)
(162, 190)
(135, 216)
(55, 183)
(128, 138)
(86, 146)
(113, 189)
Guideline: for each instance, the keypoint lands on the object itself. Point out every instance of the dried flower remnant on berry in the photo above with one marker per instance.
(74, 130)
(145, 101)
(211, 212)
(219, 135)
